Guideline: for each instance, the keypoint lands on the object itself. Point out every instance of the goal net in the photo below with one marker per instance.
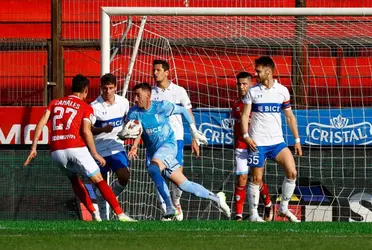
(324, 61)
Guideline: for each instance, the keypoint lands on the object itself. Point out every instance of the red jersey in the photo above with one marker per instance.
(67, 115)
(237, 110)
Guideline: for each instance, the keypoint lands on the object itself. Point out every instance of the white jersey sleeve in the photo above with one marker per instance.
(287, 99)
(184, 98)
(247, 98)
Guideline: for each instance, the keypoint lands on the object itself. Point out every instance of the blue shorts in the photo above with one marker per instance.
(115, 162)
(257, 159)
(167, 153)
(179, 156)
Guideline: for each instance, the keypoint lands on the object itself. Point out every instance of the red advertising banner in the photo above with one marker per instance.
(18, 124)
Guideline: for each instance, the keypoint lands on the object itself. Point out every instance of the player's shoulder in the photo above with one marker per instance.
(280, 86)
(97, 101)
(121, 99)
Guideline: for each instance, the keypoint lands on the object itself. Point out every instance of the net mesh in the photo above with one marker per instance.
(323, 61)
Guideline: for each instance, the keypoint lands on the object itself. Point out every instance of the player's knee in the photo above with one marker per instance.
(123, 181)
(292, 174)
(256, 179)
(242, 180)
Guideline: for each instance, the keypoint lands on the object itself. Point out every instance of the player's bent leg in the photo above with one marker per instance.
(285, 159)
(101, 202)
(120, 165)
(82, 193)
(109, 196)
(240, 194)
(198, 190)
(119, 185)
(154, 170)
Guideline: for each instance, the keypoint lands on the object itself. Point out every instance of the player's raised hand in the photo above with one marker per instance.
(199, 136)
(252, 144)
(195, 147)
(30, 157)
(298, 149)
(100, 159)
(132, 154)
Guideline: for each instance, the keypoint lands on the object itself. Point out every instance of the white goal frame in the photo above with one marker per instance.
(107, 12)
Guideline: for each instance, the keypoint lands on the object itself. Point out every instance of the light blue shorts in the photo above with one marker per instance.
(257, 159)
(167, 153)
(179, 156)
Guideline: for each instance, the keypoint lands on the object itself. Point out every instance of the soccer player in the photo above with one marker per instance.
(244, 82)
(161, 145)
(71, 133)
(265, 139)
(165, 90)
(109, 110)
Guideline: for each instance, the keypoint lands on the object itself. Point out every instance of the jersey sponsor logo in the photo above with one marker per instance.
(115, 122)
(267, 107)
(150, 131)
(339, 132)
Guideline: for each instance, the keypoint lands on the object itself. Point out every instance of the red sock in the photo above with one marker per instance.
(240, 194)
(82, 193)
(109, 196)
(264, 192)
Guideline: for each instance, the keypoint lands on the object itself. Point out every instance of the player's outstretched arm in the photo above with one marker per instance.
(292, 124)
(194, 144)
(244, 123)
(39, 127)
(196, 134)
(89, 140)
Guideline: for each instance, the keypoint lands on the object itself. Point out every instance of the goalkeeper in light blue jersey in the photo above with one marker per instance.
(161, 145)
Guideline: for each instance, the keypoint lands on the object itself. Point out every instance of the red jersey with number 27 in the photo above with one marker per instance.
(67, 115)
(237, 110)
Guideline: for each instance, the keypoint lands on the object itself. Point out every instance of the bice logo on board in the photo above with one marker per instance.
(339, 132)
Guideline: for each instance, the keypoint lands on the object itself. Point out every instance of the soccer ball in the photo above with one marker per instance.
(131, 130)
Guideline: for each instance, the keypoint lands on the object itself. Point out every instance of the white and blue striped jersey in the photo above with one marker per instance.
(155, 121)
(177, 95)
(266, 122)
(109, 114)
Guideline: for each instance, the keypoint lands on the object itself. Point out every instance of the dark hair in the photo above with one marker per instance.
(265, 61)
(79, 83)
(163, 63)
(243, 75)
(143, 85)
(107, 79)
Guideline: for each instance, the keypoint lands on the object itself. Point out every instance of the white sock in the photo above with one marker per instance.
(253, 199)
(117, 188)
(288, 188)
(176, 194)
(102, 205)
(162, 205)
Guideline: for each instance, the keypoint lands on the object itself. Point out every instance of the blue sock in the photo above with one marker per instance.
(198, 190)
(160, 184)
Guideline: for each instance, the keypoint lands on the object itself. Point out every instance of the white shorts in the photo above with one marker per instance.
(241, 161)
(77, 160)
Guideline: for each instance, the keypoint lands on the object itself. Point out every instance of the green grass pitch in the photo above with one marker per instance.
(183, 235)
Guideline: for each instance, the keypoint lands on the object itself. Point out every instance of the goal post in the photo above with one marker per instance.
(322, 55)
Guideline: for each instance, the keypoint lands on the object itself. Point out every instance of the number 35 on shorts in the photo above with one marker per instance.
(255, 159)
